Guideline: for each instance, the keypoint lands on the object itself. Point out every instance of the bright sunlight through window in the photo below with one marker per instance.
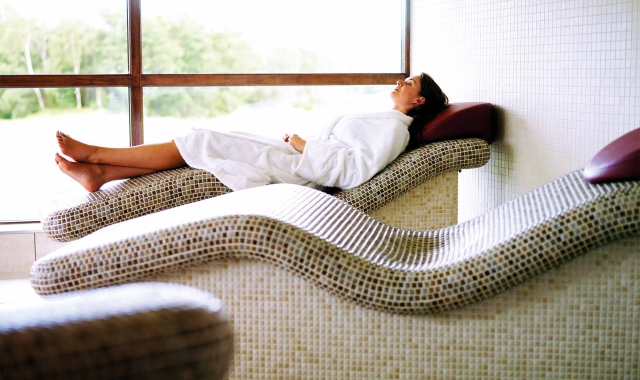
(80, 37)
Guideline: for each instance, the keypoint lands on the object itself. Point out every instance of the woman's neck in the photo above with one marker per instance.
(401, 109)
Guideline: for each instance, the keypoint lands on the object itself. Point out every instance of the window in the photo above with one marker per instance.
(265, 110)
(63, 37)
(28, 168)
(118, 73)
(275, 36)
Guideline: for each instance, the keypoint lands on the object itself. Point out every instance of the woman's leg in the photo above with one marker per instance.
(93, 176)
(149, 156)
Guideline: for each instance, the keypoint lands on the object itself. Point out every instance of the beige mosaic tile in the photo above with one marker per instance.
(430, 205)
(557, 325)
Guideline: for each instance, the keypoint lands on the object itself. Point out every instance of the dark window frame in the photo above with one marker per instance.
(136, 80)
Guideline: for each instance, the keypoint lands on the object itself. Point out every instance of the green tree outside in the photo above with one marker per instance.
(169, 46)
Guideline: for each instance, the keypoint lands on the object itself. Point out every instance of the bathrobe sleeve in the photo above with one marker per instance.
(353, 148)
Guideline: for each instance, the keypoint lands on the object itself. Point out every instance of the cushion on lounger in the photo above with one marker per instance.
(618, 161)
(461, 120)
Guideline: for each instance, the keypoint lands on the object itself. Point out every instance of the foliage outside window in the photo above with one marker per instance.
(56, 42)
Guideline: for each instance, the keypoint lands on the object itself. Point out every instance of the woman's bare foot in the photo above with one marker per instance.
(74, 149)
(88, 175)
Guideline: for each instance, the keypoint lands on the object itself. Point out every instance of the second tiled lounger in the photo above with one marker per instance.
(350, 254)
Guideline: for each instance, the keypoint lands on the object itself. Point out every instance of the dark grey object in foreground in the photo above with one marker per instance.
(136, 331)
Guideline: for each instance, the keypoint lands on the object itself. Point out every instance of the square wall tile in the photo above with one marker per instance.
(563, 75)
(17, 253)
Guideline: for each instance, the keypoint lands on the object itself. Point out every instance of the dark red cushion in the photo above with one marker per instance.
(618, 161)
(459, 121)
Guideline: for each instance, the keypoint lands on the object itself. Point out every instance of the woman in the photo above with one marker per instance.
(348, 151)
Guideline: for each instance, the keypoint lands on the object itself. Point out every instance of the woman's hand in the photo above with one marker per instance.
(297, 142)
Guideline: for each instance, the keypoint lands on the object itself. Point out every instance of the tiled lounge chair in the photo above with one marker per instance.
(132, 331)
(330, 292)
(457, 139)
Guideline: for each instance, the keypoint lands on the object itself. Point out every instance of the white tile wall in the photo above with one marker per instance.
(564, 76)
(17, 253)
(19, 250)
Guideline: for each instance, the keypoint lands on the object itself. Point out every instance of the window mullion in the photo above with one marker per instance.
(136, 108)
(407, 38)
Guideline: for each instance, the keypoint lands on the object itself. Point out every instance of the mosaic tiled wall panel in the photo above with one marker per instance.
(432, 205)
(578, 321)
(564, 76)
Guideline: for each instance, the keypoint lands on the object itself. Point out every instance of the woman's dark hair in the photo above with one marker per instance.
(435, 101)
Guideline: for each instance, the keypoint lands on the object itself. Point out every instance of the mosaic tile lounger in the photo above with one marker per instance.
(577, 321)
(74, 214)
(350, 254)
(132, 331)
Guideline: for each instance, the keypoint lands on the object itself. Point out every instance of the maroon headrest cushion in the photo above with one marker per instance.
(459, 121)
(618, 161)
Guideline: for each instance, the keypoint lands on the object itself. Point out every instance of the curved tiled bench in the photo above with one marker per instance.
(350, 254)
(133, 331)
(74, 214)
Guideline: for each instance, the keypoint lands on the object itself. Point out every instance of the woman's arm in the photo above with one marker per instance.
(339, 165)
(298, 143)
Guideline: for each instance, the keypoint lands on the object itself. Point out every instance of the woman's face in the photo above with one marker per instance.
(406, 95)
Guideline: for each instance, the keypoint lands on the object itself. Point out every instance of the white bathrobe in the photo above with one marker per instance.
(346, 153)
